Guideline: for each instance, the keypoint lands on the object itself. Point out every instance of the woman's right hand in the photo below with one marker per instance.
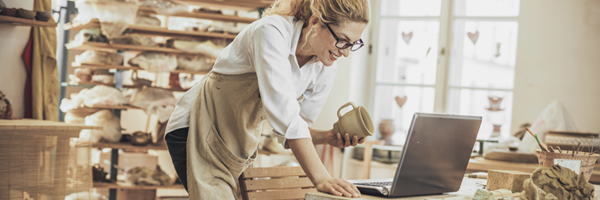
(338, 187)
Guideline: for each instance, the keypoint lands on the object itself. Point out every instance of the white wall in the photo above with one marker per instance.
(558, 58)
(12, 69)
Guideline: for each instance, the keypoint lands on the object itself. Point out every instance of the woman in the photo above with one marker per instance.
(281, 69)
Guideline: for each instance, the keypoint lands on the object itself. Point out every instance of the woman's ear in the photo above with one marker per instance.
(313, 20)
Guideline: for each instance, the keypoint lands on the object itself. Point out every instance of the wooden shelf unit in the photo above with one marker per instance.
(25, 22)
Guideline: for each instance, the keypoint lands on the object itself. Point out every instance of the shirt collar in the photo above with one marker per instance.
(297, 32)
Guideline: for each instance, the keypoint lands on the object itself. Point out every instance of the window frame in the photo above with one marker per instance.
(442, 86)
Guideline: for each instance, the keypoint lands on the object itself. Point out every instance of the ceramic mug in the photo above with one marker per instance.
(355, 122)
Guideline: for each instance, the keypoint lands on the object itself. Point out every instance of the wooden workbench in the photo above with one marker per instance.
(467, 189)
(480, 164)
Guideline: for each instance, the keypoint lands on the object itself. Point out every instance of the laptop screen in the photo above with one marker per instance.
(436, 154)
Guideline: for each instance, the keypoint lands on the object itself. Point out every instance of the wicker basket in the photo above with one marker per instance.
(546, 159)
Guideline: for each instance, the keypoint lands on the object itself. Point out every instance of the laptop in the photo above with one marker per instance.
(434, 157)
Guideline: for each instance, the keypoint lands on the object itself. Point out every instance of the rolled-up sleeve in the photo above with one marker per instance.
(269, 50)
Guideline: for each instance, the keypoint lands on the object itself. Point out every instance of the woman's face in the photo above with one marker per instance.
(323, 44)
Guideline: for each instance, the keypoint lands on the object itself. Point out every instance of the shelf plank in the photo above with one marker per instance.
(152, 30)
(36, 125)
(121, 107)
(25, 22)
(101, 66)
(120, 67)
(123, 47)
(128, 146)
(149, 30)
(181, 71)
(91, 85)
(230, 4)
(124, 185)
(203, 15)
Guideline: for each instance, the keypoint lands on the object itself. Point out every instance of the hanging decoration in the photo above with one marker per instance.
(498, 49)
(428, 50)
(495, 103)
(407, 37)
(400, 101)
(473, 36)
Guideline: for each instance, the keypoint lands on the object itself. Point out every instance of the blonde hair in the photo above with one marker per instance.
(332, 12)
(328, 11)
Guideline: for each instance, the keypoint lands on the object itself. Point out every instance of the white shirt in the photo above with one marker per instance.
(267, 47)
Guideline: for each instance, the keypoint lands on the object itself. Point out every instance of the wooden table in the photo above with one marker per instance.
(467, 189)
(34, 158)
(480, 164)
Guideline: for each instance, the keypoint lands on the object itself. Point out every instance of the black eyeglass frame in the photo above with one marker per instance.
(360, 42)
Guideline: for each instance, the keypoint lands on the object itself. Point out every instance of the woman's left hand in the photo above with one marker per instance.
(336, 140)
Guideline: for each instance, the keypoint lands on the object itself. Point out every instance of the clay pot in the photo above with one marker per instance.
(140, 138)
(42, 16)
(387, 128)
(139, 81)
(11, 12)
(25, 14)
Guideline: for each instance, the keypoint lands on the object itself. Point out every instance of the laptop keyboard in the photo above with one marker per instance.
(376, 184)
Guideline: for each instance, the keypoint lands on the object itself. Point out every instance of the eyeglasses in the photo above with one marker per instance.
(344, 44)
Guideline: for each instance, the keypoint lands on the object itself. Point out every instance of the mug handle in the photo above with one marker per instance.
(345, 105)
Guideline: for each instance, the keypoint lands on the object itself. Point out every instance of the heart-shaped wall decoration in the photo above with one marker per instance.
(498, 49)
(473, 36)
(401, 101)
(407, 37)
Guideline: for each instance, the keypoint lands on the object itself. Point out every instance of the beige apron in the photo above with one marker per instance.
(225, 127)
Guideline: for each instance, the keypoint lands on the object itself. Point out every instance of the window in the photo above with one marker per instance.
(445, 56)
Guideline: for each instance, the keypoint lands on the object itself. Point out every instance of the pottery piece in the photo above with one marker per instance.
(5, 107)
(355, 122)
(42, 16)
(139, 81)
(25, 14)
(387, 129)
(11, 12)
(140, 138)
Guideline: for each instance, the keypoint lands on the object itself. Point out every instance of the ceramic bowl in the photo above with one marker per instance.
(9, 12)
(140, 138)
(42, 16)
(25, 14)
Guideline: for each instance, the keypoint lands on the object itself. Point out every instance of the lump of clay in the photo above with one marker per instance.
(194, 62)
(147, 20)
(154, 62)
(98, 57)
(134, 39)
(87, 35)
(558, 181)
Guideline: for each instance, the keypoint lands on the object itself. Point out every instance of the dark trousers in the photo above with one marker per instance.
(177, 142)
